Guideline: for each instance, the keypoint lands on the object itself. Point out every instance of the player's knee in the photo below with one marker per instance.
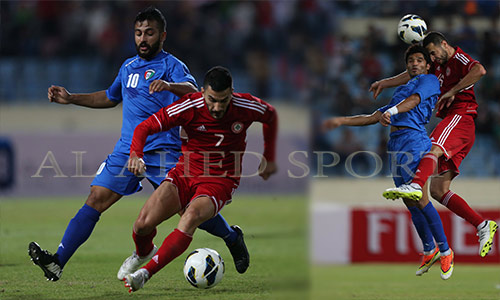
(437, 192)
(99, 200)
(142, 227)
(192, 217)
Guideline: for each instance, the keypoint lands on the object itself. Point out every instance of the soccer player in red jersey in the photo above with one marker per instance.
(215, 121)
(453, 137)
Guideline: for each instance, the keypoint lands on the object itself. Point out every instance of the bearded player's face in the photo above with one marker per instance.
(148, 39)
(438, 53)
(217, 102)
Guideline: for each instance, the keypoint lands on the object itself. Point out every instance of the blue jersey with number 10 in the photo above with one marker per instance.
(427, 87)
(131, 87)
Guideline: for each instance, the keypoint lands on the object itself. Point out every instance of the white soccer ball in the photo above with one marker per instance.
(204, 268)
(411, 29)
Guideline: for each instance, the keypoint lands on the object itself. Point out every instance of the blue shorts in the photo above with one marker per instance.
(114, 175)
(406, 148)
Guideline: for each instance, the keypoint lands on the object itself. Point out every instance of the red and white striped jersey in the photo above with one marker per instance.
(449, 75)
(215, 147)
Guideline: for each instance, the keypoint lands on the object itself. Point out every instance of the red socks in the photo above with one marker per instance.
(452, 201)
(457, 204)
(174, 245)
(143, 244)
(425, 169)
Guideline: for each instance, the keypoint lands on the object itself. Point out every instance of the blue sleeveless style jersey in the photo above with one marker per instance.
(425, 85)
(131, 87)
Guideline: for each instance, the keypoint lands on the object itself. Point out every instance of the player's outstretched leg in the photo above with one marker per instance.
(428, 261)
(486, 234)
(239, 251)
(447, 265)
(136, 280)
(133, 263)
(46, 261)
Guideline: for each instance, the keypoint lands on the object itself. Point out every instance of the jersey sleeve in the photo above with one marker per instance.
(428, 86)
(270, 131)
(178, 72)
(114, 92)
(467, 62)
(393, 101)
(269, 120)
(163, 120)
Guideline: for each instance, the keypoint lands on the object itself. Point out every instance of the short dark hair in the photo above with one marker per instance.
(152, 14)
(416, 48)
(218, 78)
(435, 38)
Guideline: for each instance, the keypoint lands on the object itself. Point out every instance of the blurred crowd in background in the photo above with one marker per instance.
(292, 51)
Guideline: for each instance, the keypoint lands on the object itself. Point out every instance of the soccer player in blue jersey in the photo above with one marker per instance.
(407, 113)
(145, 83)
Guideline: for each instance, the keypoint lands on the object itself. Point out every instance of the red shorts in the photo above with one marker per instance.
(219, 189)
(455, 135)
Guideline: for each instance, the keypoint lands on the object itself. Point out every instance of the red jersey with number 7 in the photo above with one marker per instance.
(449, 75)
(215, 147)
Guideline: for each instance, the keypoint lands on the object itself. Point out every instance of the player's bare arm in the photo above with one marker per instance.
(385, 119)
(397, 80)
(475, 73)
(136, 165)
(404, 106)
(267, 168)
(179, 89)
(331, 123)
(59, 94)
(358, 120)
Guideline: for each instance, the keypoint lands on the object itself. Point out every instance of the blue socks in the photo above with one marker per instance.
(218, 226)
(77, 232)
(423, 229)
(436, 226)
(83, 223)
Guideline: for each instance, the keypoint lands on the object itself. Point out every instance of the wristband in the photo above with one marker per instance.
(393, 111)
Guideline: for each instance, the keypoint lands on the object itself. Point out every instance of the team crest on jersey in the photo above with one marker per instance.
(448, 71)
(149, 73)
(237, 127)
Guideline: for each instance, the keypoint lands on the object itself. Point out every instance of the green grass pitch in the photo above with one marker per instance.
(398, 281)
(276, 234)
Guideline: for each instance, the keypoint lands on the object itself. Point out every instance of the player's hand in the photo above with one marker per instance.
(376, 88)
(159, 85)
(136, 165)
(446, 99)
(267, 168)
(385, 119)
(58, 94)
(331, 123)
